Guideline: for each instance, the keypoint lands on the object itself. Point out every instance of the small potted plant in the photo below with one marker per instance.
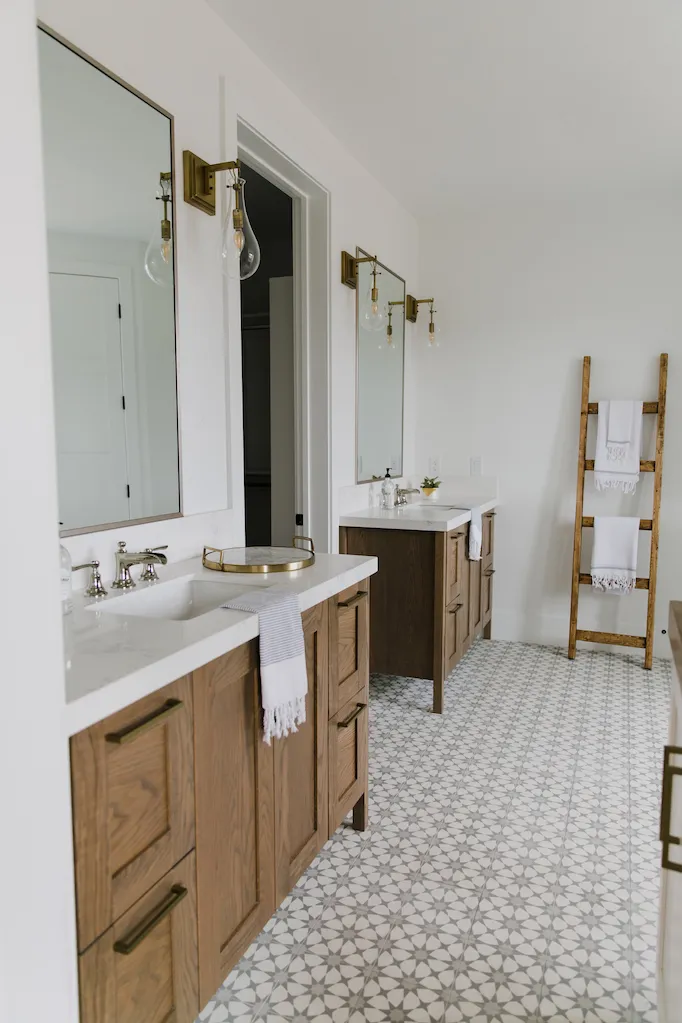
(430, 486)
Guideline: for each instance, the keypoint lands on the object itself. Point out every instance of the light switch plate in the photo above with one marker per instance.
(475, 465)
(434, 465)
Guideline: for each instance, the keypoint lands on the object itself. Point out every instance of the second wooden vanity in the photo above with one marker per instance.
(189, 830)
(429, 602)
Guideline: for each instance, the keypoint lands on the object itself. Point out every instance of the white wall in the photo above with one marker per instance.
(523, 293)
(37, 925)
(181, 55)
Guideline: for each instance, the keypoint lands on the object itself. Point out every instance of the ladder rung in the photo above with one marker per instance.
(611, 637)
(650, 407)
(588, 520)
(644, 466)
(640, 584)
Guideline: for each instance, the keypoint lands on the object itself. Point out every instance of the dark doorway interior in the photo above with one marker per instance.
(268, 368)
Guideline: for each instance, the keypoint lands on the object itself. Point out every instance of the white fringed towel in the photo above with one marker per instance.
(619, 445)
(284, 678)
(614, 553)
(475, 534)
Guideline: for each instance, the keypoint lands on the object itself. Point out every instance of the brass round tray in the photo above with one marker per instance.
(260, 559)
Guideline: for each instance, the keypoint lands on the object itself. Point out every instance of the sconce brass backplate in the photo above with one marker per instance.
(411, 308)
(199, 181)
(349, 270)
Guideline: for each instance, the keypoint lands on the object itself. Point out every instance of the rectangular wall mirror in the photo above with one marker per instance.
(380, 372)
(108, 164)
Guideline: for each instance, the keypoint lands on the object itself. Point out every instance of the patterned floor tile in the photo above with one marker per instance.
(510, 872)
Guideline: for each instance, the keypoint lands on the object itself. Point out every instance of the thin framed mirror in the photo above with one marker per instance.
(380, 370)
(108, 156)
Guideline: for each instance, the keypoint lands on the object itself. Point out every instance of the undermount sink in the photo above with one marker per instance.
(177, 600)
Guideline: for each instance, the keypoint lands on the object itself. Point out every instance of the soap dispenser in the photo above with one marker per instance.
(388, 491)
(65, 581)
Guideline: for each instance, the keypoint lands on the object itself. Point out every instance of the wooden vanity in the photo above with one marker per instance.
(429, 602)
(189, 830)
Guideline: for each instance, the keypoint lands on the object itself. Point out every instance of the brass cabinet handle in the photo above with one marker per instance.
(491, 515)
(669, 772)
(145, 927)
(352, 601)
(351, 717)
(455, 609)
(295, 540)
(131, 732)
(489, 571)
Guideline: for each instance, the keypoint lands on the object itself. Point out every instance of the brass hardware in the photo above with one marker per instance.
(199, 181)
(489, 571)
(95, 587)
(309, 539)
(455, 609)
(352, 716)
(669, 772)
(131, 732)
(491, 515)
(219, 564)
(133, 938)
(349, 270)
(352, 601)
(412, 307)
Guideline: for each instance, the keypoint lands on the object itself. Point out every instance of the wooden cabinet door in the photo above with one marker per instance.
(132, 781)
(456, 633)
(487, 594)
(348, 644)
(455, 558)
(301, 769)
(144, 968)
(475, 616)
(488, 539)
(234, 807)
(348, 763)
(670, 921)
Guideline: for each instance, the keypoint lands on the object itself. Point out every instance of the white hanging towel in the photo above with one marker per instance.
(475, 534)
(619, 445)
(614, 553)
(284, 678)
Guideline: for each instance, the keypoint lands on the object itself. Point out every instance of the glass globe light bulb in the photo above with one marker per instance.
(158, 259)
(230, 247)
(373, 317)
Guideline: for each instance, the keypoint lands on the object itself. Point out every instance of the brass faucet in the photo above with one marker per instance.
(150, 558)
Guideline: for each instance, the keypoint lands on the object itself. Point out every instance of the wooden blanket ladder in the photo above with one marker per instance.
(588, 408)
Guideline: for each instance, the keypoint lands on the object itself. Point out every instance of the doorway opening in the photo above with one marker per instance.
(268, 368)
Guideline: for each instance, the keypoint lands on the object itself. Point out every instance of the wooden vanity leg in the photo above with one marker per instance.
(487, 631)
(360, 813)
(438, 693)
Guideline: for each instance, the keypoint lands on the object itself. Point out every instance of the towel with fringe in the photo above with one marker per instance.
(614, 553)
(619, 445)
(284, 677)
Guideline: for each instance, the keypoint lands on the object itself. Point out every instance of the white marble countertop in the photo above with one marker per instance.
(427, 515)
(111, 660)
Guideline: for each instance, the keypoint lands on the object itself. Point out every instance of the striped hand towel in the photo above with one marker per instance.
(284, 678)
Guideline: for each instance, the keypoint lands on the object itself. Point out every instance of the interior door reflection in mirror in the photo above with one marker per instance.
(380, 368)
(108, 163)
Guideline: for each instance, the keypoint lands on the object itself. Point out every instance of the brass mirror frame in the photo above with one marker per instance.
(358, 298)
(80, 530)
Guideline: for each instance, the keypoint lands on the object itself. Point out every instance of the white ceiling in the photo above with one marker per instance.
(457, 101)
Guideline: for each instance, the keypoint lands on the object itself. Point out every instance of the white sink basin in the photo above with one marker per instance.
(177, 600)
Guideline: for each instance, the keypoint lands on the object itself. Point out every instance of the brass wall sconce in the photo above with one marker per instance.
(240, 249)
(389, 326)
(373, 315)
(158, 257)
(412, 309)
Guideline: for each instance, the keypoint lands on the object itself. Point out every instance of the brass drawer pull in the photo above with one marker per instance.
(144, 724)
(491, 515)
(351, 717)
(490, 571)
(145, 927)
(352, 601)
(455, 609)
(296, 539)
(669, 772)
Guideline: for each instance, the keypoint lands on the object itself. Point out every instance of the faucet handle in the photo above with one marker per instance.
(121, 549)
(153, 550)
(95, 587)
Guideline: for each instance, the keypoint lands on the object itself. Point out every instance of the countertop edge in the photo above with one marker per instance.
(399, 520)
(86, 710)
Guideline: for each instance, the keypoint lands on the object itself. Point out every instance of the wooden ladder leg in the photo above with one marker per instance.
(580, 491)
(658, 480)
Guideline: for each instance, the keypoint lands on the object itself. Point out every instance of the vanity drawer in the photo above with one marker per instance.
(145, 967)
(455, 557)
(348, 644)
(456, 633)
(348, 756)
(133, 804)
